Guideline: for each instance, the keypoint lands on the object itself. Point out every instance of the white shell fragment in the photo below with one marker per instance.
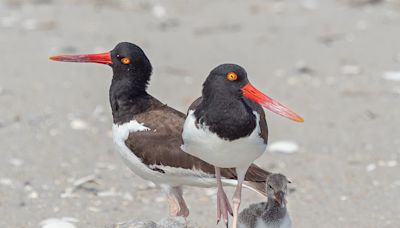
(59, 223)
(287, 147)
(78, 124)
(159, 11)
(392, 75)
(371, 167)
(351, 70)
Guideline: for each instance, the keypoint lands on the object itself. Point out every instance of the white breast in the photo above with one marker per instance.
(206, 145)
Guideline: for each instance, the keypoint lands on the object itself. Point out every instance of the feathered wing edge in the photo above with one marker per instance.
(255, 180)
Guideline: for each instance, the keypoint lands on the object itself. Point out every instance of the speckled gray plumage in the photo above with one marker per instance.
(268, 214)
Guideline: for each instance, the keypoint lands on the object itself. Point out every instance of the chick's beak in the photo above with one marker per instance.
(280, 198)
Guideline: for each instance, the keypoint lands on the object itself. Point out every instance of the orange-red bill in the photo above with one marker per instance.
(103, 58)
(254, 94)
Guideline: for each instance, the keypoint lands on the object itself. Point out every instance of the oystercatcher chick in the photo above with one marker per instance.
(148, 133)
(270, 214)
(226, 127)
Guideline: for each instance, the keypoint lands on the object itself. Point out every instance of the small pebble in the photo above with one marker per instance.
(16, 162)
(6, 182)
(370, 167)
(391, 163)
(351, 70)
(303, 68)
(287, 147)
(127, 196)
(58, 223)
(78, 124)
(392, 75)
(33, 24)
(33, 195)
(159, 11)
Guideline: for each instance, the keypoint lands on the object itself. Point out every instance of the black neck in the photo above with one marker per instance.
(226, 114)
(128, 97)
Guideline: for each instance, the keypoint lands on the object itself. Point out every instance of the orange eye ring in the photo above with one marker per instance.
(125, 60)
(231, 76)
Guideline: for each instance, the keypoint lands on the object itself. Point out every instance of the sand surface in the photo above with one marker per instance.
(335, 62)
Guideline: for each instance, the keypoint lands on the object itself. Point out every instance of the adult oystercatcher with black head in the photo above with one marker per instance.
(226, 127)
(148, 133)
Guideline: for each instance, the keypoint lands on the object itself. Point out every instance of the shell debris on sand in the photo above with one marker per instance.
(6, 182)
(370, 167)
(78, 124)
(286, 147)
(65, 222)
(178, 222)
(392, 75)
(168, 222)
(349, 69)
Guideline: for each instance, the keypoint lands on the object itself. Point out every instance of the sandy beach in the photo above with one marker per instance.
(335, 62)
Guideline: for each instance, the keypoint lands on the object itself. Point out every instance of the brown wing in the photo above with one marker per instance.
(166, 128)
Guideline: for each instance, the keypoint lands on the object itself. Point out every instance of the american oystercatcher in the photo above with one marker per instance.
(270, 214)
(148, 133)
(226, 127)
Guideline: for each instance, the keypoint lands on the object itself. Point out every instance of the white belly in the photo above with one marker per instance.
(204, 144)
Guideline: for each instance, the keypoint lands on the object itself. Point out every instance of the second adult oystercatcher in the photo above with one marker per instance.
(148, 133)
(226, 127)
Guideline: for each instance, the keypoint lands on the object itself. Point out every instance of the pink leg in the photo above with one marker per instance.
(177, 205)
(223, 206)
(238, 195)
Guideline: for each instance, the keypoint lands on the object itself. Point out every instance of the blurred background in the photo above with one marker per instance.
(336, 62)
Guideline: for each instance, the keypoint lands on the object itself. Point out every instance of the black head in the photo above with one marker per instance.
(127, 60)
(228, 79)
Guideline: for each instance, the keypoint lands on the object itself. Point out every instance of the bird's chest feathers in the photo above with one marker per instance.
(229, 122)
(201, 142)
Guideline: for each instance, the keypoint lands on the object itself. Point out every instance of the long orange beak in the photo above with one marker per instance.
(254, 94)
(103, 58)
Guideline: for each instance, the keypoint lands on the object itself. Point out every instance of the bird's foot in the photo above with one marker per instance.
(223, 207)
(178, 208)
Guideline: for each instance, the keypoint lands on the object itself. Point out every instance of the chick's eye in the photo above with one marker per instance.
(270, 187)
(231, 76)
(125, 60)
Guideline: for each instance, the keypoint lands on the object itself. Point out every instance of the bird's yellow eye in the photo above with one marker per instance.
(231, 76)
(125, 60)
